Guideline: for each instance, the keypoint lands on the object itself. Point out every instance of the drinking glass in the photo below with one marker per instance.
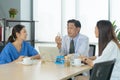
(43, 58)
(72, 58)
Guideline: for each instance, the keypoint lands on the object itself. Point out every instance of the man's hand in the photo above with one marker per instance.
(58, 40)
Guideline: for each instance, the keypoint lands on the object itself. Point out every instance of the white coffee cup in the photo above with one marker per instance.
(77, 62)
(27, 60)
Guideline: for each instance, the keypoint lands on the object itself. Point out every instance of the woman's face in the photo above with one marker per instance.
(22, 35)
(96, 32)
(72, 30)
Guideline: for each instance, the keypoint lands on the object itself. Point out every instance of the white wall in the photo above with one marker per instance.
(24, 11)
(5, 5)
(23, 7)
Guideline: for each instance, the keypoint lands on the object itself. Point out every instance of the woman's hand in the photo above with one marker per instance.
(89, 62)
(92, 58)
(36, 56)
(19, 59)
(83, 58)
(86, 60)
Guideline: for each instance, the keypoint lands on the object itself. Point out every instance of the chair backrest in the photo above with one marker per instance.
(102, 70)
(92, 48)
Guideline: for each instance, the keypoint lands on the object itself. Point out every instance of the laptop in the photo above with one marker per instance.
(48, 53)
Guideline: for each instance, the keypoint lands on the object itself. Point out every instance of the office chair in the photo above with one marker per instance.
(102, 70)
(91, 50)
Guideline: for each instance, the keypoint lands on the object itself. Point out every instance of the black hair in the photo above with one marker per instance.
(106, 34)
(16, 29)
(76, 23)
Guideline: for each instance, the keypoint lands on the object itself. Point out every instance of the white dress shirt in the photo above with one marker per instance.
(81, 44)
(109, 53)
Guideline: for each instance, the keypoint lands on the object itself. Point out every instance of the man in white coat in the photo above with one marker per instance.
(80, 42)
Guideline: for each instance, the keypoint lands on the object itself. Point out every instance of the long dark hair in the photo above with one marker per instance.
(106, 34)
(16, 29)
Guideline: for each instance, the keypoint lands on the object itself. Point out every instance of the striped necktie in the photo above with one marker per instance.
(72, 48)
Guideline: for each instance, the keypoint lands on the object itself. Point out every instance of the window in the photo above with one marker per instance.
(52, 17)
(114, 12)
(89, 13)
(48, 15)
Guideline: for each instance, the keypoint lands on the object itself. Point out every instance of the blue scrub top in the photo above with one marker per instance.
(10, 53)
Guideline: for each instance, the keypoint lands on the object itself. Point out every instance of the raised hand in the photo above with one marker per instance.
(58, 40)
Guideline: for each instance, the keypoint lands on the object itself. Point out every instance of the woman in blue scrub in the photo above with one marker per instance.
(17, 48)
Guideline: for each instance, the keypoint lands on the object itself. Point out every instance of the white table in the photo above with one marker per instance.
(38, 71)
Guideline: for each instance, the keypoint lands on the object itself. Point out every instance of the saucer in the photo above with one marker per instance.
(27, 63)
(78, 65)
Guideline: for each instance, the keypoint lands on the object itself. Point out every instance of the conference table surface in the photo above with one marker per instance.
(40, 71)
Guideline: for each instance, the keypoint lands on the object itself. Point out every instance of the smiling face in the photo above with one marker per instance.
(72, 30)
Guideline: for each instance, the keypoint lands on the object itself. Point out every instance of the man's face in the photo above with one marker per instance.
(72, 30)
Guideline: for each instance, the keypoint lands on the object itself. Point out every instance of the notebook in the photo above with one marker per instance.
(48, 53)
